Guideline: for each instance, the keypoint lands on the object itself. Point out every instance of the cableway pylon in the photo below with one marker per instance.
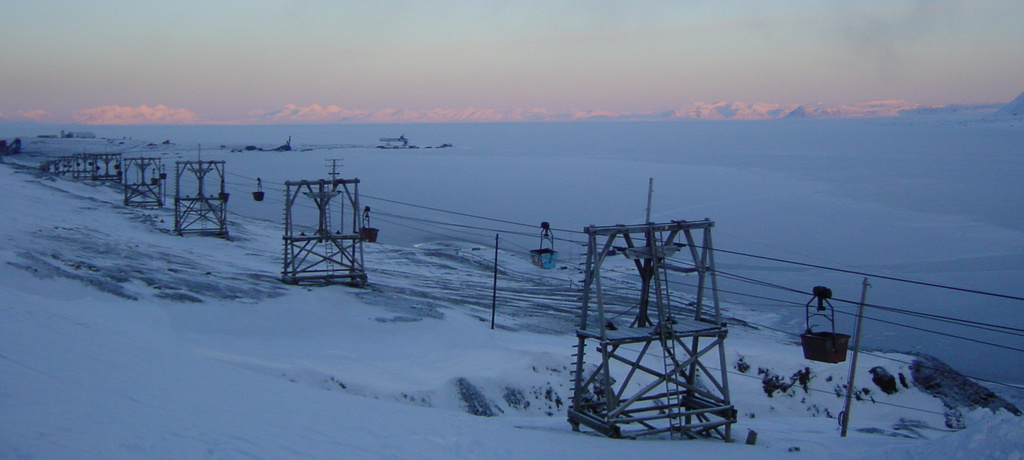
(329, 253)
(651, 378)
(198, 207)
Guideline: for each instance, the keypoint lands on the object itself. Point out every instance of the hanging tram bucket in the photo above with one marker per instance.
(547, 257)
(826, 347)
(366, 232)
(258, 194)
(369, 234)
(223, 196)
(544, 258)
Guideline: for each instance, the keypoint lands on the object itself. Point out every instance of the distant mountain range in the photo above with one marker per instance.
(699, 111)
(315, 114)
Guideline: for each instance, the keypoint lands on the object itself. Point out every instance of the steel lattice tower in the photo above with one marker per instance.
(651, 378)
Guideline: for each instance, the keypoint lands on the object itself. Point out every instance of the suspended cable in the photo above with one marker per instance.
(449, 224)
(462, 214)
(773, 259)
(984, 326)
(871, 275)
(1007, 347)
(947, 319)
(445, 235)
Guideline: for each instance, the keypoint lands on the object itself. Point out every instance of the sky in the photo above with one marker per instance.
(224, 60)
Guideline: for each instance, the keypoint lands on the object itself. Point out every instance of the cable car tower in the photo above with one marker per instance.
(87, 166)
(327, 252)
(651, 377)
(106, 166)
(201, 210)
(143, 182)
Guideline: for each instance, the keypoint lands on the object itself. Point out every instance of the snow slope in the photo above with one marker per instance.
(120, 340)
(1014, 110)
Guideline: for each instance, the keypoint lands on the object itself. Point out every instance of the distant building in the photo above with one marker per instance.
(78, 135)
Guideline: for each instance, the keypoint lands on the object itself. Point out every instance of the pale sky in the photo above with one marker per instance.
(225, 60)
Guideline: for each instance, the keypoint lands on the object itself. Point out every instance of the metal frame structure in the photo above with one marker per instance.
(327, 253)
(90, 166)
(138, 189)
(204, 213)
(650, 378)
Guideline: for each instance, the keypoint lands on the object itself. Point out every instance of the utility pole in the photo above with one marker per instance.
(494, 291)
(650, 195)
(335, 163)
(853, 362)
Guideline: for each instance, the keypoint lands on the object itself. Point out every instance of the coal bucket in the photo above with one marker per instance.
(825, 347)
(368, 234)
(544, 258)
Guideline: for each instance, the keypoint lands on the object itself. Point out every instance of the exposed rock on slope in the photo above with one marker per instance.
(956, 391)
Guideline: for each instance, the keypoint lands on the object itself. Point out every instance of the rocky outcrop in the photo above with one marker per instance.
(957, 392)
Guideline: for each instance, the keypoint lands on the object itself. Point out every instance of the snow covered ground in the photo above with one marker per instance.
(120, 340)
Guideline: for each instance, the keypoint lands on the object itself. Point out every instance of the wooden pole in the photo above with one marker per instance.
(853, 362)
(494, 291)
(650, 195)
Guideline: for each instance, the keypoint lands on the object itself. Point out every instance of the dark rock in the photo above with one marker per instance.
(885, 381)
(742, 365)
(476, 402)
(956, 391)
(802, 377)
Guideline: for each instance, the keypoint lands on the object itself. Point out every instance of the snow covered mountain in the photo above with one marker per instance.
(333, 113)
(119, 339)
(697, 111)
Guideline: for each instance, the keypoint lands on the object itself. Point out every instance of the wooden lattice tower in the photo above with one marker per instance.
(144, 182)
(323, 252)
(651, 378)
(198, 207)
(107, 166)
(87, 166)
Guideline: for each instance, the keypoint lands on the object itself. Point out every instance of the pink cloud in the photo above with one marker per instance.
(141, 115)
(35, 115)
(316, 113)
